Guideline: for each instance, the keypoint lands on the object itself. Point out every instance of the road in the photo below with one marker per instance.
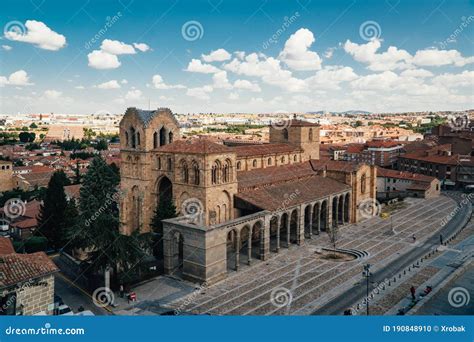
(74, 296)
(345, 300)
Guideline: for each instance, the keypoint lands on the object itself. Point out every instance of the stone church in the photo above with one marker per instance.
(236, 204)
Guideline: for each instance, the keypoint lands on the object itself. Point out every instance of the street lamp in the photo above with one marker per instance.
(367, 274)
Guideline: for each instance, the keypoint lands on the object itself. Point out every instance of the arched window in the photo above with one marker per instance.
(295, 158)
(158, 163)
(184, 172)
(310, 134)
(226, 171)
(239, 165)
(215, 171)
(170, 164)
(138, 138)
(285, 134)
(132, 138)
(363, 185)
(162, 136)
(196, 173)
(126, 139)
(254, 163)
(282, 159)
(170, 137)
(155, 140)
(269, 161)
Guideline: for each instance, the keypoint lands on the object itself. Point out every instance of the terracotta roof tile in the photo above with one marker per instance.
(6, 246)
(264, 149)
(291, 193)
(198, 146)
(16, 268)
(381, 172)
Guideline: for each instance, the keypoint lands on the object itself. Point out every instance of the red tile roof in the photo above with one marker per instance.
(6, 246)
(197, 146)
(291, 193)
(264, 149)
(387, 173)
(17, 268)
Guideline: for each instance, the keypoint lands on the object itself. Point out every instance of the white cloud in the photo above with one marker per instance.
(296, 54)
(38, 34)
(434, 57)
(159, 83)
(382, 81)
(220, 80)
(247, 85)
(197, 66)
(141, 46)
(233, 96)
(218, 55)
(392, 59)
(115, 47)
(331, 77)
(6, 47)
(99, 59)
(18, 78)
(113, 84)
(201, 93)
(133, 95)
(79, 87)
(268, 69)
(52, 94)
(464, 79)
(422, 73)
(124, 81)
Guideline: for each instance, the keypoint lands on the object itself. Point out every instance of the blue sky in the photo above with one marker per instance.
(331, 55)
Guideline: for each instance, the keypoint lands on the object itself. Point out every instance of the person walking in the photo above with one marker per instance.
(440, 239)
(413, 292)
(121, 291)
(414, 238)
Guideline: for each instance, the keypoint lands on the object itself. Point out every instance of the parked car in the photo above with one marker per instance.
(64, 310)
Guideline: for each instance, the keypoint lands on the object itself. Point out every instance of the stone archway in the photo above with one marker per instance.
(165, 189)
(315, 226)
(294, 226)
(346, 208)
(308, 222)
(340, 211)
(257, 236)
(334, 212)
(324, 216)
(245, 245)
(274, 234)
(284, 232)
(232, 250)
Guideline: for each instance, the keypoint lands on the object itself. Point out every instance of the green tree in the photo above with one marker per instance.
(98, 222)
(26, 137)
(52, 216)
(33, 125)
(102, 145)
(165, 210)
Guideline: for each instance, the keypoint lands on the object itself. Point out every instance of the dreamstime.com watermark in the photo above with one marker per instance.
(467, 198)
(281, 297)
(12, 300)
(287, 22)
(458, 297)
(46, 330)
(109, 22)
(14, 208)
(380, 287)
(110, 199)
(191, 298)
(453, 36)
(288, 199)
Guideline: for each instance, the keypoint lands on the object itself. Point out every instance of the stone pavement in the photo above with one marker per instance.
(310, 281)
(307, 281)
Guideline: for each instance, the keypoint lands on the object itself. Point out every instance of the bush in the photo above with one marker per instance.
(36, 244)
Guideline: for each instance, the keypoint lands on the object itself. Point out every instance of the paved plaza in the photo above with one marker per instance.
(310, 281)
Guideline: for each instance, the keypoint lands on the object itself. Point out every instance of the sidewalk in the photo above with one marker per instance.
(152, 296)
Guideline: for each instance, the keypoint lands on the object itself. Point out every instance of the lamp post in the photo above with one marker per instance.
(366, 274)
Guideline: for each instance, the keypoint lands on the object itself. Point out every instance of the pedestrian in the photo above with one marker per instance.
(440, 239)
(122, 292)
(414, 238)
(413, 292)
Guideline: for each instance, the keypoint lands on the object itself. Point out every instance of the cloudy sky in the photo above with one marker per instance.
(236, 56)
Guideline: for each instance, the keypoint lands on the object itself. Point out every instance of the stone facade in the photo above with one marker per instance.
(221, 222)
(6, 176)
(36, 296)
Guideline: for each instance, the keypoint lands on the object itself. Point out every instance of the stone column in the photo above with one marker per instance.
(278, 234)
(237, 252)
(249, 248)
(319, 218)
(300, 227)
(288, 230)
(265, 238)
